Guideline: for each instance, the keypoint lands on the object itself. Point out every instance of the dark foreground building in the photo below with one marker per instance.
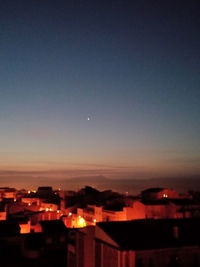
(140, 243)
(48, 248)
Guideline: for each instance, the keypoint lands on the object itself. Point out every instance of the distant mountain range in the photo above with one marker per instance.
(133, 186)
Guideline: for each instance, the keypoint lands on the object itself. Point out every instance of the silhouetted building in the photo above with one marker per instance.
(139, 243)
(47, 248)
(159, 193)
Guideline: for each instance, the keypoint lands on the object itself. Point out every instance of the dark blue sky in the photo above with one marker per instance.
(132, 67)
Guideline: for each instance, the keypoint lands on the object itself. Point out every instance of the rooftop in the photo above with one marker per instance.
(153, 190)
(149, 234)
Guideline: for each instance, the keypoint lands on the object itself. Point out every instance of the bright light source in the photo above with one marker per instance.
(70, 214)
(81, 222)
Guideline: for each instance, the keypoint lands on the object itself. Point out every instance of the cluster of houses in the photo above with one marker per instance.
(47, 227)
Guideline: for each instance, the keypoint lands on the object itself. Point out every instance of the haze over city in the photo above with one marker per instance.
(93, 88)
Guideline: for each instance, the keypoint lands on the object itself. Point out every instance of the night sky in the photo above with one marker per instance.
(101, 86)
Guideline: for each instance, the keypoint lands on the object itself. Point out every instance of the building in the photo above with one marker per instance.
(7, 193)
(93, 214)
(159, 193)
(139, 243)
(47, 248)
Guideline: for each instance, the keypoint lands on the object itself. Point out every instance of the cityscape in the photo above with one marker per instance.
(47, 227)
(99, 133)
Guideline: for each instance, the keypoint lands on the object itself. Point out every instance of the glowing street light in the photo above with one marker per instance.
(81, 222)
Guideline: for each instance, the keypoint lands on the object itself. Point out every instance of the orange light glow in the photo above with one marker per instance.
(81, 222)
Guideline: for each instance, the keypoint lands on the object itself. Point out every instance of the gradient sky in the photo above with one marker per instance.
(132, 67)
